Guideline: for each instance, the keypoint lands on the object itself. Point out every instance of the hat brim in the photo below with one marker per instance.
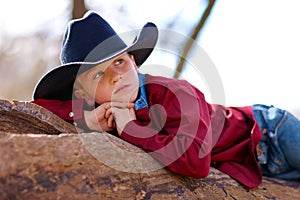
(58, 83)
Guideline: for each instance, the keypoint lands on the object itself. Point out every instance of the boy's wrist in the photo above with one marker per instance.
(123, 117)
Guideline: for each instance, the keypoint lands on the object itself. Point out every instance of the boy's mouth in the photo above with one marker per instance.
(121, 89)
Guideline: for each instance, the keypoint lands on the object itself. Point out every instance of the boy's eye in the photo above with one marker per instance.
(118, 62)
(99, 74)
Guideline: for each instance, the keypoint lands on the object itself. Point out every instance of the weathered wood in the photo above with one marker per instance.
(60, 167)
(86, 166)
(27, 117)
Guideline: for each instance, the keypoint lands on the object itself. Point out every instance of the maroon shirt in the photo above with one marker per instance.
(187, 134)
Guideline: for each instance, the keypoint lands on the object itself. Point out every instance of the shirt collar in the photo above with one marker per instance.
(141, 101)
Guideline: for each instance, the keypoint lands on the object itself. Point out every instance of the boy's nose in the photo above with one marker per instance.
(115, 75)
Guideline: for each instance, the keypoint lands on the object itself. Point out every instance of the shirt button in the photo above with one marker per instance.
(71, 114)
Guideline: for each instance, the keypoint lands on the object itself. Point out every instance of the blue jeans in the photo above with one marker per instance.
(280, 144)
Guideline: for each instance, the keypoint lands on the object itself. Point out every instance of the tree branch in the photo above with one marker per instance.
(195, 34)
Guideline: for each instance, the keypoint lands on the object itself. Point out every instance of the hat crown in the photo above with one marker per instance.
(82, 36)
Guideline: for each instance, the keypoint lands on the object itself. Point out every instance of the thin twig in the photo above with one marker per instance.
(196, 32)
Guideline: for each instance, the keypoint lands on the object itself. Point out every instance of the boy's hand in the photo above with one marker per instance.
(101, 118)
(122, 115)
(97, 120)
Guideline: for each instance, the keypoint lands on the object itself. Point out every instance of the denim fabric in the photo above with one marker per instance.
(280, 143)
(141, 101)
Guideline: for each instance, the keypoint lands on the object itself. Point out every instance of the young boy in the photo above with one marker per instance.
(98, 86)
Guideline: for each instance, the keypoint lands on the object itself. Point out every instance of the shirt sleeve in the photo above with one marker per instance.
(178, 134)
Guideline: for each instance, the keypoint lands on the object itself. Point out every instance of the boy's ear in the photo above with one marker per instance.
(133, 60)
(80, 94)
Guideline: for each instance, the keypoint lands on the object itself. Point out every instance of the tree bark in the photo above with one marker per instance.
(39, 165)
(79, 9)
(25, 117)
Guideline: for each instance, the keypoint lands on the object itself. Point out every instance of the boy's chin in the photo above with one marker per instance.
(130, 98)
(133, 97)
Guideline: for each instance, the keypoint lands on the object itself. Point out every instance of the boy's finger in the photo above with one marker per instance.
(106, 105)
(108, 113)
(122, 104)
(103, 108)
(110, 121)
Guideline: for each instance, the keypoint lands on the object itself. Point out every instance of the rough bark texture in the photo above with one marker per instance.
(27, 117)
(64, 166)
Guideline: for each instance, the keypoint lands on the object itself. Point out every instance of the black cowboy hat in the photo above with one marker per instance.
(88, 42)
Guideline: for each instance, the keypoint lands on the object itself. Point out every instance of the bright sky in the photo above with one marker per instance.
(254, 44)
(17, 16)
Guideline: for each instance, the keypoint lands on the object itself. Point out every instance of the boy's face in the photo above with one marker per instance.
(114, 80)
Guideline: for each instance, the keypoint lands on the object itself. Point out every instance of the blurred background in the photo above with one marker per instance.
(254, 44)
